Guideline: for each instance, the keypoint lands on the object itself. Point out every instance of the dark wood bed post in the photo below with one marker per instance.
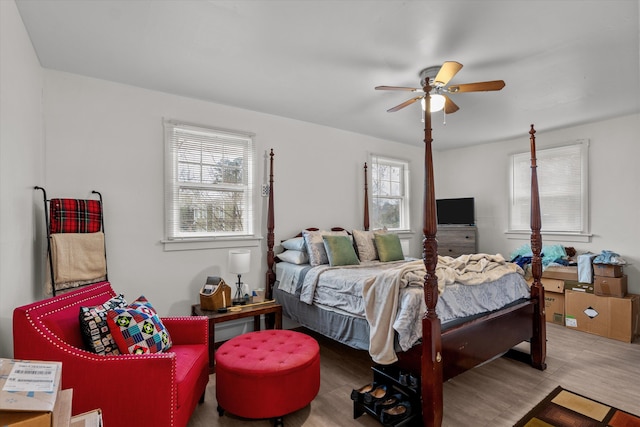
(538, 340)
(271, 275)
(431, 373)
(366, 200)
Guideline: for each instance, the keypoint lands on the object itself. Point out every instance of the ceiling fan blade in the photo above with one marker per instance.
(446, 73)
(404, 104)
(410, 89)
(477, 87)
(450, 107)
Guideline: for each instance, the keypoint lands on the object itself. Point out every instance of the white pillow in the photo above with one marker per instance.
(293, 257)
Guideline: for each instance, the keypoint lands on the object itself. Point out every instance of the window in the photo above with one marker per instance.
(390, 193)
(208, 189)
(562, 180)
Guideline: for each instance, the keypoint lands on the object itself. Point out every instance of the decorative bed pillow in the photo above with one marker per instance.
(315, 245)
(293, 256)
(340, 250)
(295, 244)
(389, 247)
(94, 328)
(137, 329)
(365, 244)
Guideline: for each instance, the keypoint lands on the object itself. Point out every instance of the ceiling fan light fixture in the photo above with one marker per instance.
(437, 103)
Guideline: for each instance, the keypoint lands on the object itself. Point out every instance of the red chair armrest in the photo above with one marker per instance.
(188, 329)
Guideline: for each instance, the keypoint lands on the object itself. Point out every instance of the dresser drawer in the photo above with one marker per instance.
(454, 241)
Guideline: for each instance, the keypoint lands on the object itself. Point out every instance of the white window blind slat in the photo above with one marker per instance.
(209, 182)
(562, 180)
(390, 201)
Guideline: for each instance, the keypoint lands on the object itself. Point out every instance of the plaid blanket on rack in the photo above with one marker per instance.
(75, 216)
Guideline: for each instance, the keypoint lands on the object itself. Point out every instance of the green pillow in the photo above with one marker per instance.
(389, 247)
(340, 250)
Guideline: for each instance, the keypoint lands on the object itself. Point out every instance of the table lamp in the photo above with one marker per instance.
(239, 262)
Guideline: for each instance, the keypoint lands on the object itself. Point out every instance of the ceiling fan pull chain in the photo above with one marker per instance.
(444, 117)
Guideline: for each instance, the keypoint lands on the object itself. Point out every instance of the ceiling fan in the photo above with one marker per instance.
(434, 81)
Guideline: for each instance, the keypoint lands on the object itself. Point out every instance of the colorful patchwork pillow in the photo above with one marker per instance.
(137, 329)
(94, 328)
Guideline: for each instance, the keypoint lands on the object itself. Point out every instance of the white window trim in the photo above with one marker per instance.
(405, 219)
(584, 235)
(250, 239)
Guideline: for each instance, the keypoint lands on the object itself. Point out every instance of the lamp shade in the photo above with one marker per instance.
(239, 261)
(436, 101)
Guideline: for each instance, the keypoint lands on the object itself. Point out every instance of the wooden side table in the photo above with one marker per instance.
(268, 308)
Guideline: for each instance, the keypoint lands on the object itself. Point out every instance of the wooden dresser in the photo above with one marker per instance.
(456, 240)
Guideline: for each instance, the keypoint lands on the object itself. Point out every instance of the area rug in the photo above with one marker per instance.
(564, 408)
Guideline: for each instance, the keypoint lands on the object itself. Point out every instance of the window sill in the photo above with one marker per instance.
(189, 244)
(551, 236)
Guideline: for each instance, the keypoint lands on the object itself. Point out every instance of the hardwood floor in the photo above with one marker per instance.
(495, 394)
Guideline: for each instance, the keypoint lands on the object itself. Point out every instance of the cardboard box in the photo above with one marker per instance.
(33, 406)
(87, 419)
(610, 286)
(553, 299)
(62, 408)
(607, 270)
(554, 307)
(570, 285)
(610, 317)
(561, 272)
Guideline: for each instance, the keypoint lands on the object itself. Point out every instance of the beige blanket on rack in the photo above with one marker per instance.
(78, 256)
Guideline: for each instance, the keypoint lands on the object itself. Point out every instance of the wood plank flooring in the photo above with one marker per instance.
(495, 394)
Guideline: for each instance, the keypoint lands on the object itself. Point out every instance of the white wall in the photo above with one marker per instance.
(483, 172)
(21, 163)
(108, 137)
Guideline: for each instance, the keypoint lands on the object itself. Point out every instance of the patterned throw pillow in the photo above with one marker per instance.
(340, 250)
(315, 245)
(389, 247)
(137, 329)
(95, 330)
(365, 243)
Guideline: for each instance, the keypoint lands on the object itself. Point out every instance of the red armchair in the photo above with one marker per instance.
(160, 389)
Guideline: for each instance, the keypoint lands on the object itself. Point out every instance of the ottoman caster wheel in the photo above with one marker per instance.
(220, 411)
(278, 422)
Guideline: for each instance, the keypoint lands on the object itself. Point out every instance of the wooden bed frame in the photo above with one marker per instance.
(443, 355)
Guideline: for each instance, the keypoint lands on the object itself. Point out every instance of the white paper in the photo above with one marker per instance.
(31, 377)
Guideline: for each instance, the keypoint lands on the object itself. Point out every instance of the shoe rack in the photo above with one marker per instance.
(399, 382)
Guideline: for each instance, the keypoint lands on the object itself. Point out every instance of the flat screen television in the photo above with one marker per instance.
(458, 211)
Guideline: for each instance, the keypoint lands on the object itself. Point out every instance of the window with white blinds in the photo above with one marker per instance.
(563, 187)
(208, 188)
(390, 193)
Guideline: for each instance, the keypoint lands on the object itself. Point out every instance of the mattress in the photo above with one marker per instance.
(340, 291)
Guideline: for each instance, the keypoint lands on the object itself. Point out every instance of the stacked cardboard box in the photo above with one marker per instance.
(30, 394)
(611, 317)
(553, 280)
(609, 280)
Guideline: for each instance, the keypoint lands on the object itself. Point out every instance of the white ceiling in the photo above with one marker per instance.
(565, 62)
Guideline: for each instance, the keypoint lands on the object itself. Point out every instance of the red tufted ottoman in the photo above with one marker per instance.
(267, 374)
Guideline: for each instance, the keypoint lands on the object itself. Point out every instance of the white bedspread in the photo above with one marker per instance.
(381, 293)
(390, 296)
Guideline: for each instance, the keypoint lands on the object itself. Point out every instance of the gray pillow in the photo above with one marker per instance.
(295, 244)
(293, 257)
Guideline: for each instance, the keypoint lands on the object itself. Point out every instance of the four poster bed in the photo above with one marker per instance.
(441, 352)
